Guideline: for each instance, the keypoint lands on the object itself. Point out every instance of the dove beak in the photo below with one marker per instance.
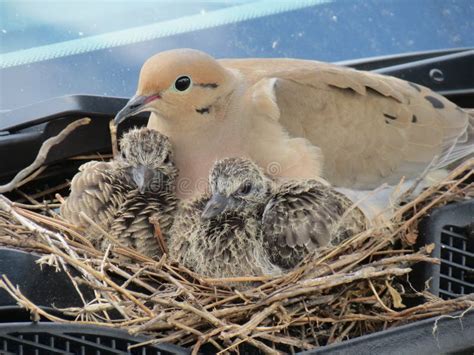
(135, 105)
(142, 176)
(216, 205)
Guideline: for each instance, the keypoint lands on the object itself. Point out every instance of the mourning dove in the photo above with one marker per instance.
(297, 119)
(248, 225)
(121, 195)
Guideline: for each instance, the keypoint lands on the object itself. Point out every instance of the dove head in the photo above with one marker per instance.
(236, 185)
(179, 84)
(148, 157)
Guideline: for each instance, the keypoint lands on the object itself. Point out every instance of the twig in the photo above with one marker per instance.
(228, 280)
(253, 322)
(101, 277)
(56, 223)
(158, 234)
(318, 284)
(378, 297)
(460, 316)
(30, 177)
(298, 343)
(196, 332)
(113, 138)
(43, 154)
(323, 300)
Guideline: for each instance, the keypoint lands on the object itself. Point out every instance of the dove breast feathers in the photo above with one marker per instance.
(370, 128)
(230, 247)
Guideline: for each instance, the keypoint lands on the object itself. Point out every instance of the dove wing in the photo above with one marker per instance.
(371, 128)
(301, 217)
(93, 192)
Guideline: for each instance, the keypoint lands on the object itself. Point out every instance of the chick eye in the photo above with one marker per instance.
(182, 83)
(167, 159)
(245, 189)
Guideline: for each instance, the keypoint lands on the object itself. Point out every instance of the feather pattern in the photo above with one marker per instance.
(97, 190)
(264, 228)
(107, 193)
(403, 126)
(230, 246)
(131, 223)
(303, 216)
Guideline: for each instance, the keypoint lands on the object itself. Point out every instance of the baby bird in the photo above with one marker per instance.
(121, 195)
(249, 226)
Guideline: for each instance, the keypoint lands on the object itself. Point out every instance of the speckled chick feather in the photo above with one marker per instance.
(247, 225)
(121, 195)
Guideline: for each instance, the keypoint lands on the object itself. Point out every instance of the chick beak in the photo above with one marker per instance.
(135, 105)
(215, 206)
(142, 176)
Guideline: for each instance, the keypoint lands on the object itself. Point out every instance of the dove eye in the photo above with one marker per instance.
(245, 189)
(182, 83)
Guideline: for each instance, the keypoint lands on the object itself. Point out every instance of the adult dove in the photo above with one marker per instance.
(297, 119)
(247, 225)
(121, 195)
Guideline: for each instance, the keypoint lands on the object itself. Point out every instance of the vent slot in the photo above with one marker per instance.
(83, 341)
(457, 262)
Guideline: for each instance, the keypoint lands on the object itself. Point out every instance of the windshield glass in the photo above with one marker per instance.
(52, 48)
(36, 23)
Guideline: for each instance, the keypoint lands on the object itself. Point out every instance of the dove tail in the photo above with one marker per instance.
(463, 148)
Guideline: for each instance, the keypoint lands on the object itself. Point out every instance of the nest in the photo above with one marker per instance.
(355, 288)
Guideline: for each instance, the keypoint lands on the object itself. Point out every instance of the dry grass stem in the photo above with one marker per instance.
(346, 291)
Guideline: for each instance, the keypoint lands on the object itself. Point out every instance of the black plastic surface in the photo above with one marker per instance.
(19, 149)
(442, 335)
(65, 106)
(449, 75)
(451, 336)
(51, 338)
(451, 228)
(45, 287)
(388, 61)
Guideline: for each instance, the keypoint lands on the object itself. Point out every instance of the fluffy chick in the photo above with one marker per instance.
(121, 195)
(248, 226)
